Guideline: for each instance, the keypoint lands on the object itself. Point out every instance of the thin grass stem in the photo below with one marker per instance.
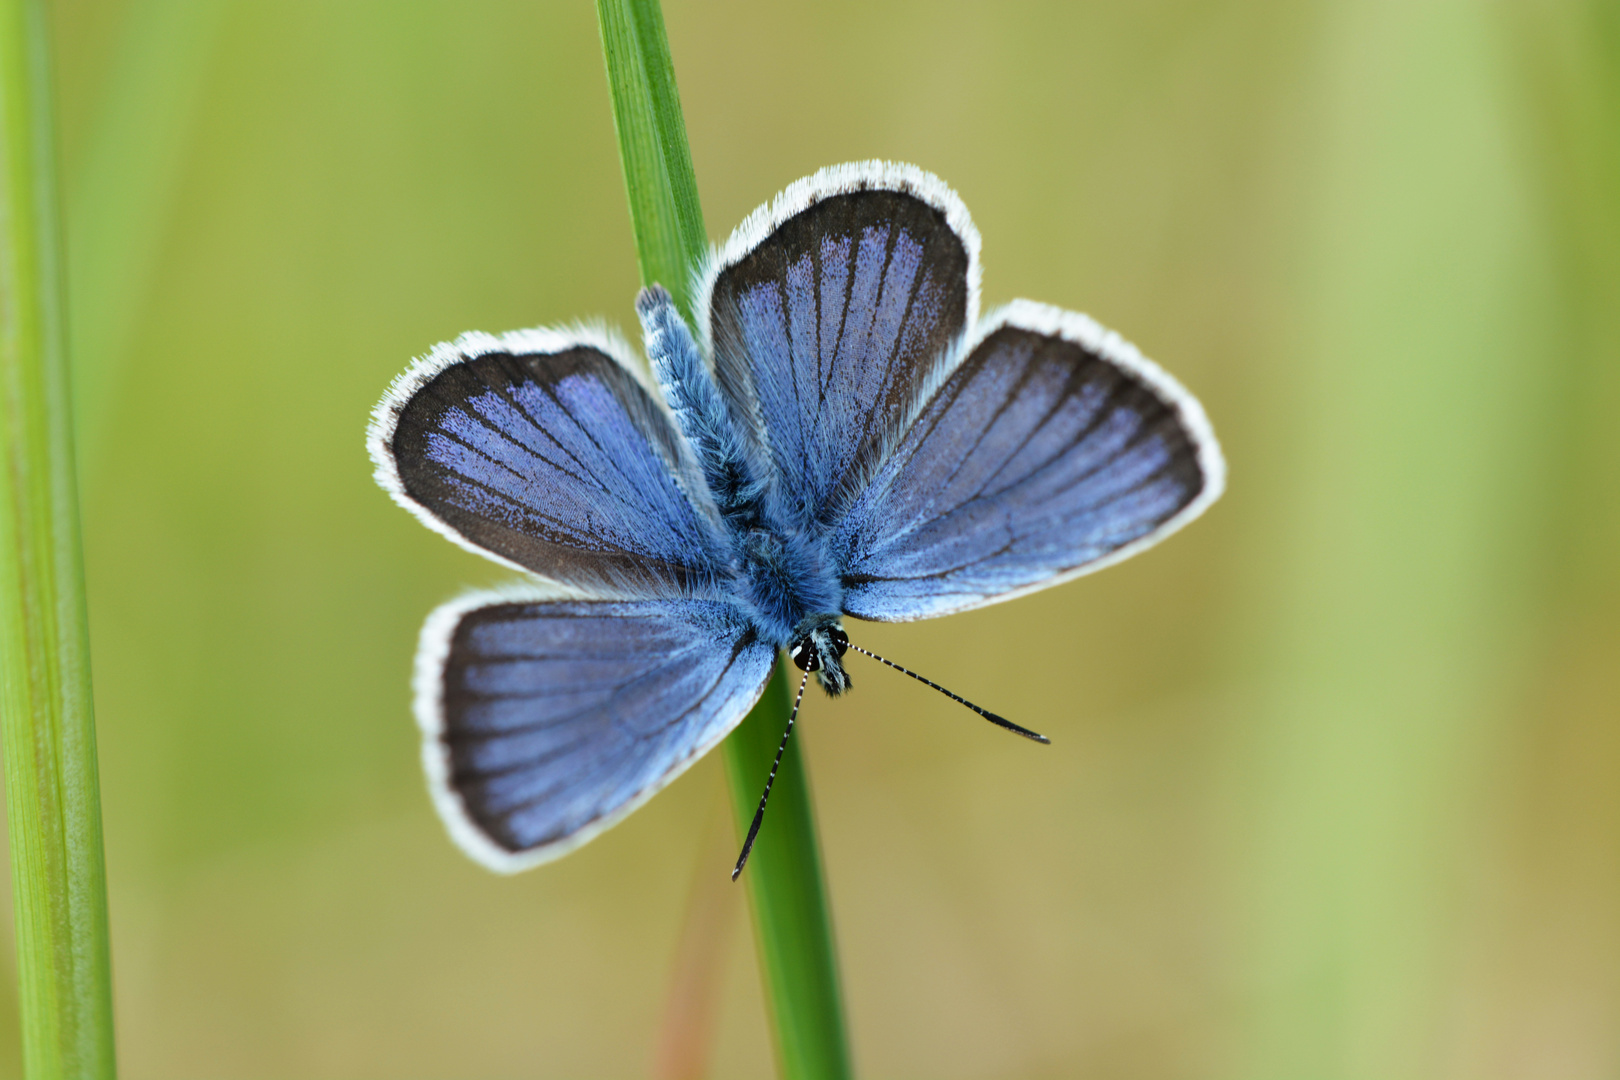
(792, 924)
(46, 722)
(792, 927)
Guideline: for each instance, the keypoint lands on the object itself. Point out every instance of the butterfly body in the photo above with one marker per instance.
(841, 437)
(782, 561)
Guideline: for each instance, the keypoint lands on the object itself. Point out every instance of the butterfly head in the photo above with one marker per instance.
(818, 645)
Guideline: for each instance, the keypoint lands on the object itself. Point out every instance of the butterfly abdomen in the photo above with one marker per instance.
(782, 564)
(700, 412)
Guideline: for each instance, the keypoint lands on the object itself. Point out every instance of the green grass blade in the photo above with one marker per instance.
(53, 800)
(792, 925)
(658, 178)
(792, 929)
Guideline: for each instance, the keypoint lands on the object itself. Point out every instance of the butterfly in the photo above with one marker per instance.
(842, 437)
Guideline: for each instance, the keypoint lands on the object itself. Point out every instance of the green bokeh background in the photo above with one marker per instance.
(1335, 783)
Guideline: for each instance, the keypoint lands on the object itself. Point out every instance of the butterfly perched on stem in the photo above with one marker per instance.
(842, 436)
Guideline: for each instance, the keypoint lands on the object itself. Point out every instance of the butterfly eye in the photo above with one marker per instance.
(804, 655)
(840, 642)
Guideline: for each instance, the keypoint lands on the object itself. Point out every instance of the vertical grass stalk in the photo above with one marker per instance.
(792, 929)
(52, 794)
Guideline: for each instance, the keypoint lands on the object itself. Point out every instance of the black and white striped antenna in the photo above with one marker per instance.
(759, 813)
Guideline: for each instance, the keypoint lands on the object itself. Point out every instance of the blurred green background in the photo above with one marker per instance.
(1335, 789)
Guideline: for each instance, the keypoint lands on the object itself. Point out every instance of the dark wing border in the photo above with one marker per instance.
(537, 341)
(427, 686)
(1086, 332)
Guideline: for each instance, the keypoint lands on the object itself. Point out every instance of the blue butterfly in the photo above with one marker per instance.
(843, 437)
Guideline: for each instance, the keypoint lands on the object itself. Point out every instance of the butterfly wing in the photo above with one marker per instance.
(543, 450)
(1052, 449)
(547, 720)
(826, 311)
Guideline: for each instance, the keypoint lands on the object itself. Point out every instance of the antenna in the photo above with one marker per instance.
(759, 815)
(999, 721)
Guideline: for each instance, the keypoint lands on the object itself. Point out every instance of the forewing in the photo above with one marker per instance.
(543, 450)
(546, 721)
(827, 311)
(1053, 449)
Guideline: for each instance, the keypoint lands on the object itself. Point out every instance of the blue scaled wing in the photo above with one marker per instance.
(543, 450)
(824, 314)
(1053, 448)
(545, 721)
